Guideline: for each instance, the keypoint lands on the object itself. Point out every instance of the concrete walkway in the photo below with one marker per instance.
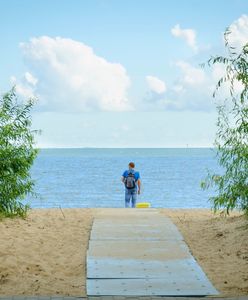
(139, 252)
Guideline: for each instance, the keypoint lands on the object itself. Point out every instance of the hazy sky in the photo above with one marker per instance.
(118, 73)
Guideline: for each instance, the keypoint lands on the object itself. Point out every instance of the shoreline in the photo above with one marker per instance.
(44, 254)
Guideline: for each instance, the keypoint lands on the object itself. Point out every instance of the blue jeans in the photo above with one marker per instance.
(130, 196)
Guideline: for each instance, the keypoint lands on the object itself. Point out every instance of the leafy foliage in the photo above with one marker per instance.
(232, 132)
(16, 154)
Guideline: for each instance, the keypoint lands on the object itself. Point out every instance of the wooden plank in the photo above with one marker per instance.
(99, 268)
(141, 254)
(115, 212)
(140, 250)
(119, 232)
(148, 287)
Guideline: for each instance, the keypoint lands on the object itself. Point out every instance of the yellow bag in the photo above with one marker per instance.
(143, 205)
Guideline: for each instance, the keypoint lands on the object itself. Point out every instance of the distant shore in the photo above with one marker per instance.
(46, 253)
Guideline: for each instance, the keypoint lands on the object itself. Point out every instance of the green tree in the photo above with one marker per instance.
(17, 154)
(232, 132)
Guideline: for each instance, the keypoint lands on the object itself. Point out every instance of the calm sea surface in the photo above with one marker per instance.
(91, 177)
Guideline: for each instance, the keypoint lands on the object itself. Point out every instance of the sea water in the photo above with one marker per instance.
(90, 177)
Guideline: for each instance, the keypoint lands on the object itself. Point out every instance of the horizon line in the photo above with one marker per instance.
(198, 147)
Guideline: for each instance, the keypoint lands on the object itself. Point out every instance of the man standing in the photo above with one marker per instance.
(131, 180)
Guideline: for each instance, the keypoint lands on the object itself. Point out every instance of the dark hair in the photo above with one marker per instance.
(131, 164)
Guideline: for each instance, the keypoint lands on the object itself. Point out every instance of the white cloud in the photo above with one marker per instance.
(189, 35)
(24, 91)
(124, 127)
(178, 88)
(239, 32)
(155, 84)
(218, 71)
(30, 78)
(68, 76)
(194, 87)
(13, 80)
(192, 90)
(24, 87)
(191, 75)
(237, 38)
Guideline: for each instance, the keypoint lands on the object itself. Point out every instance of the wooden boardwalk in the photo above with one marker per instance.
(139, 252)
(117, 298)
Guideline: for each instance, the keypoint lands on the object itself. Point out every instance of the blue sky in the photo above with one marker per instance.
(118, 73)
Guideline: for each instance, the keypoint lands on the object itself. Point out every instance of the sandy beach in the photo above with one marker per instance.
(45, 254)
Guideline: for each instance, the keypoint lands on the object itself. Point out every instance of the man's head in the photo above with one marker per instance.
(131, 165)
